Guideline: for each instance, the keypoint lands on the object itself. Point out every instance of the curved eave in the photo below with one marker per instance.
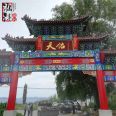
(34, 21)
(18, 39)
(94, 38)
(110, 52)
(4, 53)
(13, 41)
(21, 40)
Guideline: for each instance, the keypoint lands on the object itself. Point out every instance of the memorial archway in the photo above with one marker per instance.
(59, 45)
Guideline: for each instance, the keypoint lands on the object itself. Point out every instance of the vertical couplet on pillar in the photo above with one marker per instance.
(102, 90)
(13, 91)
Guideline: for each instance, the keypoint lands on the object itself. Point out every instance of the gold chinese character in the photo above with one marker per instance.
(60, 46)
(50, 46)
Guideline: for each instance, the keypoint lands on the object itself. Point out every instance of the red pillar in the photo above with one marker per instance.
(13, 91)
(102, 56)
(102, 90)
(39, 43)
(75, 42)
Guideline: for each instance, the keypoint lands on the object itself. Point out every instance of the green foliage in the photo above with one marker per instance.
(2, 108)
(110, 87)
(19, 106)
(75, 85)
(3, 105)
(103, 14)
(53, 99)
(19, 114)
(65, 11)
(105, 9)
(22, 106)
(91, 105)
(112, 105)
(113, 42)
(1, 112)
(111, 90)
(112, 102)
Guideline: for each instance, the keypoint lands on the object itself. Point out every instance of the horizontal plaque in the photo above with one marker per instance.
(56, 45)
(56, 37)
(56, 61)
(35, 68)
(49, 54)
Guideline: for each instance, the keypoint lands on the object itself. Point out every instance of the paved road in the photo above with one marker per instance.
(69, 115)
(22, 112)
(35, 113)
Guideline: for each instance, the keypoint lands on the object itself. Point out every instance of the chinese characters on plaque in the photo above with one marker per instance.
(57, 45)
(8, 12)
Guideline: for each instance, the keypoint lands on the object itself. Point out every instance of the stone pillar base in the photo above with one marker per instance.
(9, 113)
(105, 112)
(35, 113)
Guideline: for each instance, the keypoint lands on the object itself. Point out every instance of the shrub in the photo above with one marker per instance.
(19, 114)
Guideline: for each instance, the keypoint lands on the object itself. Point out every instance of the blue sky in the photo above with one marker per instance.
(37, 9)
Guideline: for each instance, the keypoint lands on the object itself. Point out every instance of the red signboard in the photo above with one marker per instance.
(57, 45)
(56, 61)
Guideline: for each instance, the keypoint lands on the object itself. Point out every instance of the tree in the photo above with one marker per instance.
(110, 87)
(53, 99)
(75, 85)
(103, 14)
(111, 92)
(65, 11)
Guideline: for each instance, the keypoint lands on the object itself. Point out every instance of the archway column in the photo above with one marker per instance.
(103, 100)
(102, 90)
(13, 91)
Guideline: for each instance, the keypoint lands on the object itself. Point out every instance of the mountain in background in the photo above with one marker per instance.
(29, 99)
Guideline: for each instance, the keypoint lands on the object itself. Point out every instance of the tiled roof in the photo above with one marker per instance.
(109, 51)
(84, 38)
(93, 37)
(42, 21)
(3, 52)
(18, 39)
